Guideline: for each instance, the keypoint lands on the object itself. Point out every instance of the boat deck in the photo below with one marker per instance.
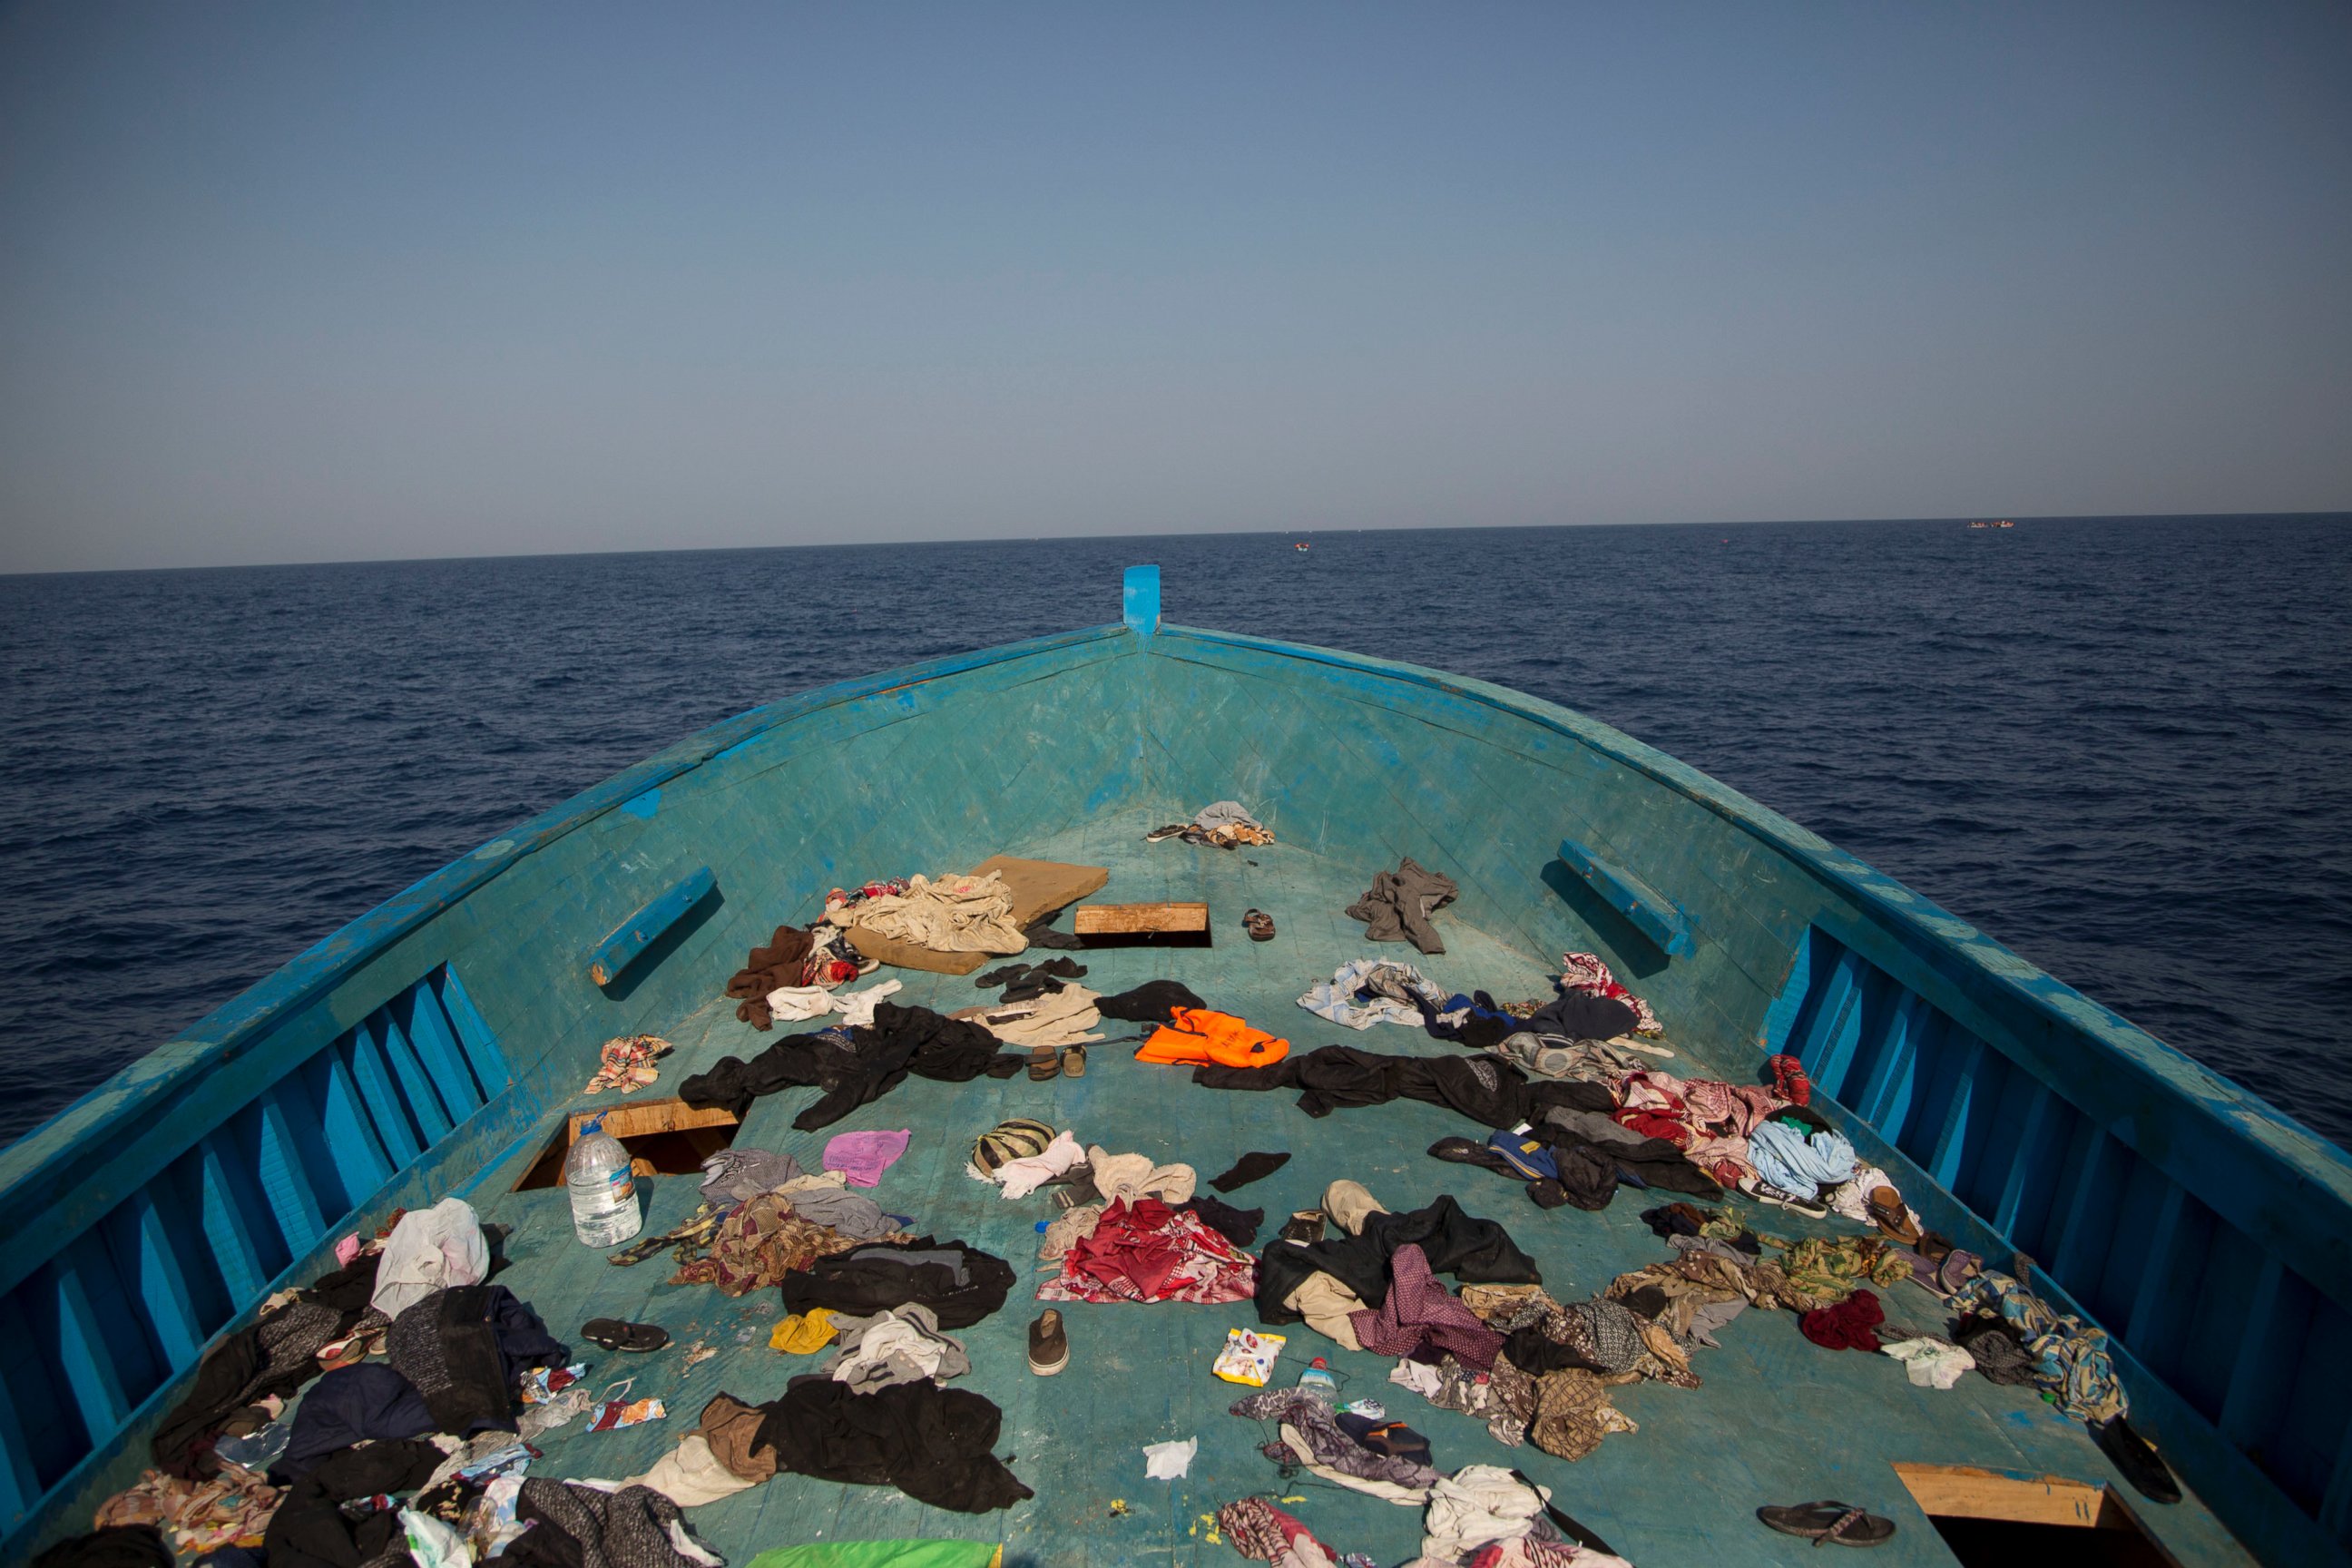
(1779, 1419)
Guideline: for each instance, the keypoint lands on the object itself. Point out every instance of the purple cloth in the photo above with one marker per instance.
(863, 1156)
(1420, 1309)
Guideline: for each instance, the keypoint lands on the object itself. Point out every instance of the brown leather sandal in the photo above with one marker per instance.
(1259, 925)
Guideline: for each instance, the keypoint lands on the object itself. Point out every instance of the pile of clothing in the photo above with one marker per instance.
(1374, 991)
(1145, 1249)
(1339, 1285)
(792, 965)
(1399, 904)
(971, 913)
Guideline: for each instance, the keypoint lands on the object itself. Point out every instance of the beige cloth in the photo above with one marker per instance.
(1475, 1505)
(954, 914)
(1326, 1304)
(1348, 1205)
(1133, 1176)
(1067, 1017)
(1069, 1228)
(732, 1429)
(690, 1475)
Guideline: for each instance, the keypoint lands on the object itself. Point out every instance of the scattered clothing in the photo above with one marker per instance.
(1851, 1325)
(1930, 1363)
(863, 1156)
(898, 1344)
(1146, 1251)
(758, 1245)
(1452, 1242)
(1235, 1225)
(1247, 1169)
(1399, 904)
(854, 1067)
(952, 914)
(367, 1403)
(1584, 974)
(784, 961)
(1795, 1164)
(803, 1334)
(1153, 1002)
(628, 1064)
(738, 1175)
(195, 1516)
(430, 1249)
(960, 1284)
(1135, 1176)
(1822, 1272)
(1065, 1017)
(1573, 1414)
(1577, 1015)
(1418, 1312)
(574, 1523)
(1374, 991)
(2070, 1358)
(934, 1444)
(1263, 1532)
(690, 1475)
(463, 1348)
(1306, 1418)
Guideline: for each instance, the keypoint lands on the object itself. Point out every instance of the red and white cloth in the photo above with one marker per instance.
(1146, 1251)
(1584, 972)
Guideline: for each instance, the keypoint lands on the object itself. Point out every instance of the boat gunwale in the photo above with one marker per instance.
(2294, 1154)
(76, 1144)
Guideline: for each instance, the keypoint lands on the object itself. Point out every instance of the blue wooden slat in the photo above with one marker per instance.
(1779, 1030)
(20, 1484)
(2086, 1228)
(481, 1047)
(2336, 1506)
(396, 1130)
(301, 1219)
(230, 1228)
(2025, 1189)
(2266, 1356)
(626, 940)
(415, 1083)
(1942, 1161)
(1886, 1093)
(85, 1357)
(429, 1034)
(1828, 1037)
(1650, 913)
(352, 1140)
(170, 1304)
(2159, 1305)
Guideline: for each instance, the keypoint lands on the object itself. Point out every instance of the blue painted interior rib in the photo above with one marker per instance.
(1663, 922)
(2209, 1235)
(626, 940)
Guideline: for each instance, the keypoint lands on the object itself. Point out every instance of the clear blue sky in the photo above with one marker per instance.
(313, 282)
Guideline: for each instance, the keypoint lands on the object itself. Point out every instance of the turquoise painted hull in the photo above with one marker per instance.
(432, 1044)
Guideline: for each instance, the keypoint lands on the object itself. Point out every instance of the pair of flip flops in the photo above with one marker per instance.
(613, 1334)
(1823, 1522)
(1259, 925)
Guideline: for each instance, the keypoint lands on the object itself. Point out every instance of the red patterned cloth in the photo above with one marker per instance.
(1707, 1119)
(1146, 1251)
(1420, 1309)
(1585, 973)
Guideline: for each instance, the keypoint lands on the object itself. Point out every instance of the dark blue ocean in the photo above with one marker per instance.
(2122, 746)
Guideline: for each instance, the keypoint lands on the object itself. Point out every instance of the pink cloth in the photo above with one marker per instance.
(1418, 1308)
(863, 1156)
(347, 1249)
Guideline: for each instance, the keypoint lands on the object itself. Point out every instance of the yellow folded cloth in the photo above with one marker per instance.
(803, 1334)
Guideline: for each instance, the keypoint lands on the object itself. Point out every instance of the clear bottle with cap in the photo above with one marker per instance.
(603, 1193)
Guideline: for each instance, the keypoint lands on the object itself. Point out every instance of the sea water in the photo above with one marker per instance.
(2121, 746)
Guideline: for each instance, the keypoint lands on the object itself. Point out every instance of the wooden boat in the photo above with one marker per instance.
(435, 1044)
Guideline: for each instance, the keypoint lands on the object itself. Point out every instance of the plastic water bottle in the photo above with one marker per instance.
(603, 1193)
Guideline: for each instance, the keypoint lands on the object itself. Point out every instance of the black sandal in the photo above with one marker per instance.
(1823, 1523)
(616, 1335)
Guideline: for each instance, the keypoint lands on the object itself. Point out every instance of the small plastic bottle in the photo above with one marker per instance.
(603, 1194)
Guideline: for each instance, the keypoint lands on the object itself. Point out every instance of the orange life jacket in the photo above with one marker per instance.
(1195, 1035)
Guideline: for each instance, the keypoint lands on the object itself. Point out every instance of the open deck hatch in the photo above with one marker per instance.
(664, 1137)
(1998, 1519)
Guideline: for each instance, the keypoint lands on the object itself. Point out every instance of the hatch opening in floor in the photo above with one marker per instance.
(2001, 1518)
(664, 1137)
